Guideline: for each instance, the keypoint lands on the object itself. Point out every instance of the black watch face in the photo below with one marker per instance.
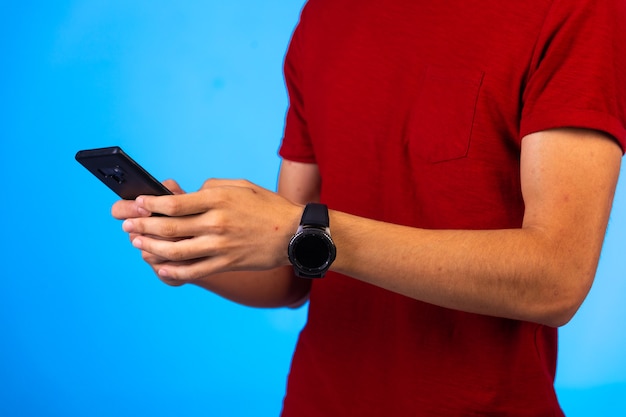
(312, 251)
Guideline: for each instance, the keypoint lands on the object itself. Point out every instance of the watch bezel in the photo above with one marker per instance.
(312, 272)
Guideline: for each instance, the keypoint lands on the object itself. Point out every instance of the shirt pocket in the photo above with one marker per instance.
(440, 120)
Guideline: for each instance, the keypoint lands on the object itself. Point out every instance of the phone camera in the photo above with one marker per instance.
(115, 173)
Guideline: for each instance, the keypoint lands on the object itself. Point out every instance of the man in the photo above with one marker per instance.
(468, 153)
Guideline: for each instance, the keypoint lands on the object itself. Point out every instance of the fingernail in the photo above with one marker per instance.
(137, 243)
(139, 201)
(128, 226)
(163, 273)
(143, 212)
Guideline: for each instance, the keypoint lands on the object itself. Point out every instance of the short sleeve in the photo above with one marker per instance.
(296, 143)
(578, 74)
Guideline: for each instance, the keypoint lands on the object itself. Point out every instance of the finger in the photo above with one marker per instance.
(125, 209)
(132, 237)
(177, 205)
(189, 271)
(179, 251)
(152, 259)
(165, 228)
(184, 204)
(171, 282)
(156, 266)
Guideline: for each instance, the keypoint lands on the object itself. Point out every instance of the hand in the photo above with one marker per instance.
(227, 225)
(127, 209)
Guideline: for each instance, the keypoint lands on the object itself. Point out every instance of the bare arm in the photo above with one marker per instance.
(541, 272)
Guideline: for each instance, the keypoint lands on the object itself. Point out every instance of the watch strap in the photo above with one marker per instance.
(315, 214)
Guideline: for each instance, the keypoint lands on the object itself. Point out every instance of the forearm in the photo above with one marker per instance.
(265, 289)
(517, 273)
(540, 272)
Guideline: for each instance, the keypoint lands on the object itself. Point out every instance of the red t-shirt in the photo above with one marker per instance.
(414, 112)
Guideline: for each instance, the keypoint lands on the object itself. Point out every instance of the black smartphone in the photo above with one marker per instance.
(120, 172)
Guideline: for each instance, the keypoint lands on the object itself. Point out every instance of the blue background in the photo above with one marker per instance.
(191, 89)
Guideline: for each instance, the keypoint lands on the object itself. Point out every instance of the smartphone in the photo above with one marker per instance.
(120, 172)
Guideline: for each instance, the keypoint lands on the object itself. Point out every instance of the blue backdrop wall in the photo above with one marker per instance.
(192, 89)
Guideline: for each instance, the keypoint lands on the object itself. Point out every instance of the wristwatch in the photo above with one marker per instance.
(311, 250)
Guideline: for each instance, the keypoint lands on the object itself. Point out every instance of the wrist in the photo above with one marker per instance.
(311, 249)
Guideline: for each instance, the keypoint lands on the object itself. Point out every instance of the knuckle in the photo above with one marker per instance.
(173, 206)
(218, 225)
(175, 253)
(168, 229)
